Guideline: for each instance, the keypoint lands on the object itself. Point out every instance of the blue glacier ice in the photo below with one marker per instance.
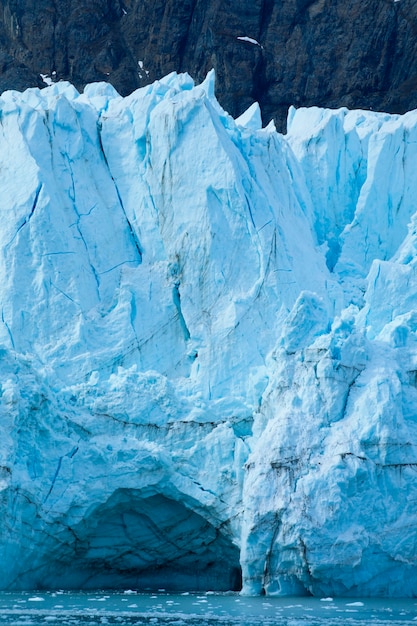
(208, 345)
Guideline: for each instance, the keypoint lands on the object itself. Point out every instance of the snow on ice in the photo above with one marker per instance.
(208, 344)
(249, 40)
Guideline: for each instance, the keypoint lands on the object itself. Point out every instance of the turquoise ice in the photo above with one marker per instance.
(208, 345)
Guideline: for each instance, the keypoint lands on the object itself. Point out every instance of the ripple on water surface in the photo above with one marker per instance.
(197, 609)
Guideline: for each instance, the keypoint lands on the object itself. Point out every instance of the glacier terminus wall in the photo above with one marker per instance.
(208, 343)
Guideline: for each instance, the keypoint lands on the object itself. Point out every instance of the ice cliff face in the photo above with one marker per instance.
(208, 344)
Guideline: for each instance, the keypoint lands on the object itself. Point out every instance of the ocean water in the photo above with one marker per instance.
(203, 609)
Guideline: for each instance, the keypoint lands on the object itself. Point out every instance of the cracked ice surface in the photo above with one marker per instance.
(208, 340)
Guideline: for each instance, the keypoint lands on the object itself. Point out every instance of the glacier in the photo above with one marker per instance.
(208, 345)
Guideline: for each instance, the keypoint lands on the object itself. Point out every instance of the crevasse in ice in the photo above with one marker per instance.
(208, 344)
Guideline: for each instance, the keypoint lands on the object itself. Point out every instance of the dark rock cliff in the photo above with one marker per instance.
(361, 53)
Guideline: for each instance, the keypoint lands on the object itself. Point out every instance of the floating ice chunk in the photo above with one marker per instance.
(355, 604)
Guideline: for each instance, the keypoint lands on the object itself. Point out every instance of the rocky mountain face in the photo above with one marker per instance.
(360, 54)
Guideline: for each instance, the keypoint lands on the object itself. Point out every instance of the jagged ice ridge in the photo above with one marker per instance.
(208, 344)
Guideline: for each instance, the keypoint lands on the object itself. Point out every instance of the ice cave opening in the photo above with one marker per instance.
(148, 543)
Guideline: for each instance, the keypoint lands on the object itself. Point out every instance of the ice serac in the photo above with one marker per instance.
(208, 339)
